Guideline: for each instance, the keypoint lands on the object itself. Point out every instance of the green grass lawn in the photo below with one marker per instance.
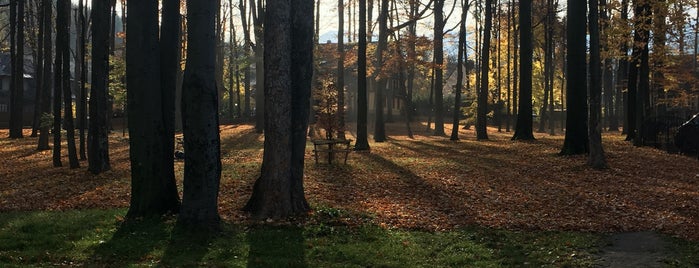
(100, 238)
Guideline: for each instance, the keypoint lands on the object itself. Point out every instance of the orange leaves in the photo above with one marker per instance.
(426, 183)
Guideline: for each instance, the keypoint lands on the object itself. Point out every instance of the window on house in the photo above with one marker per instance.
(4, 108)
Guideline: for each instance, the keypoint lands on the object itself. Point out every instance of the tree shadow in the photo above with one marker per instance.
(278, 246)
(187, 247)
(132, 242)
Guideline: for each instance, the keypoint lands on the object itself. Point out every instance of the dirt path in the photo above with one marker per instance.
(639, 249)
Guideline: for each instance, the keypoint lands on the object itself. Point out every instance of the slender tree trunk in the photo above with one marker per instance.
(80, 76)
(642, 94)
(459, 72)
(481, 119)
(47, 78)
(63, 10)
(98, 140)
(576, 138)
(379, 100)
(596, 158)
(170, 36)
(341, 69)
(258, 17)
(39, 70)
(17, 88)
(362, 143)
(622, 77)
(523, 127)
(232, 64)
(515, 59)
(438, 67)
(235, 54)
(509, 71)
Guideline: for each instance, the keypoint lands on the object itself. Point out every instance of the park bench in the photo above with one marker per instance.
(331, 147)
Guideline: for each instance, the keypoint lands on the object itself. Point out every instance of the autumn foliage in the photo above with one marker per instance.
(423, 183)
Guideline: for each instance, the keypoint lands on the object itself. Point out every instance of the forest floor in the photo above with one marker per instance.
(424, 183)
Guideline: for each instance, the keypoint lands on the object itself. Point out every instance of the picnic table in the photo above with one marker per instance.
(331, 147)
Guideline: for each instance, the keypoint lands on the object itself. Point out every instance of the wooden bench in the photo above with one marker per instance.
(331, 147)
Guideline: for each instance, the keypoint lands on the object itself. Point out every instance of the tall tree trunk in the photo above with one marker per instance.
(202, 171)
(438, 67)
(39, 70)
(509, 70)
(247, 45)
(643, 92)
(548, 64)
(80, 77)
(481, 118)
(98, 140)
(278, 192)
(151, 190)
(622, 76)
(258, 18)
(515, 59)
(607, 69)
(379, 98)
(340, 69)
(17, 88)
(596, 157)
(362, 143)
(523, 127)
(576, 139)
(459, 72)
(63, 80)
(232, 65)
(56, 87)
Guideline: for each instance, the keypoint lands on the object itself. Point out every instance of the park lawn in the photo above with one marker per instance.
(426, 200)
(101, 238)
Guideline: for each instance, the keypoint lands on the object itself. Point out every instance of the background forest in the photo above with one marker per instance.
(210, 107)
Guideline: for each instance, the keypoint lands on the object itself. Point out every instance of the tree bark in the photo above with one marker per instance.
(596, 158)
(481, 118)
(80, 77)
(340, 84)
(362, 143)
(98, 141)
(278, 192)
(58, 75)
(523, 126)
(152, 193)
(17, 88)
(381, 83)
(202, 171)
(576, 138)
(438, 64)
(459, 72)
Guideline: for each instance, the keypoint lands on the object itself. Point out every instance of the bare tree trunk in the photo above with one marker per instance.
(461, 51)
(596, 158)
(17, 51)
(576, 138)
(200, 100)
(438, 65)
(278, 192)
(481, 119)
(152, 188)
(340, 69)
(63, 10)
(98, 140)
(362, 143)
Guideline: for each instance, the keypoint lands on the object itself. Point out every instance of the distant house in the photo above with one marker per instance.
(29, 90)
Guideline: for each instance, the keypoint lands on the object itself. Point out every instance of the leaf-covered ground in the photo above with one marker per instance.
(422, 183)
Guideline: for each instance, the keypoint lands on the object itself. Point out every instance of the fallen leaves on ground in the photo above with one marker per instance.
(425, 183)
